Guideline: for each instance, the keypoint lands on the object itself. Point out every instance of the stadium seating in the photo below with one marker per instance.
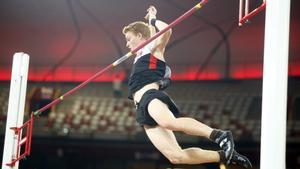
(94, 112)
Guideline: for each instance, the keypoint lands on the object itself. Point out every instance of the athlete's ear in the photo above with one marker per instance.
(139, 35)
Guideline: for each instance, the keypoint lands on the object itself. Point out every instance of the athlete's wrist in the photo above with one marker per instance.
(152, 19)
(152, 22)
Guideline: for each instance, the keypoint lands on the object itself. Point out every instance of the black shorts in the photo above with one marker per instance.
(142, 114)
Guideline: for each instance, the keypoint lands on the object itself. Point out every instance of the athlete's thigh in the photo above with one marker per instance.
(163, 139)
(160, 112)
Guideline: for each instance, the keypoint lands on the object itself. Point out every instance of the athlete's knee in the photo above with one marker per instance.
(176, 160)
(176, 157)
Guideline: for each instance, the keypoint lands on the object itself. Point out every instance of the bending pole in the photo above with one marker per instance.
(123, 58)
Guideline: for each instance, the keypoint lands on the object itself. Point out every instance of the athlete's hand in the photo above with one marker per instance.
(151, 12)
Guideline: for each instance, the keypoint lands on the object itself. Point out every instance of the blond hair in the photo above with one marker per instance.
(138, 27)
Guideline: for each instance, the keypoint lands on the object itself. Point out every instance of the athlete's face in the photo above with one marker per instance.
(133, 40)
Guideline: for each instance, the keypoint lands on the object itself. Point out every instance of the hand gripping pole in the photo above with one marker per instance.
(123, 58)
(27, 140)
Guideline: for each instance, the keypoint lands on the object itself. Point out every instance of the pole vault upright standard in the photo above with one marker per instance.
(123, 58)
(27, 140)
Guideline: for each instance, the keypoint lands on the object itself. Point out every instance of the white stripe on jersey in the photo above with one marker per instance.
(144, 51)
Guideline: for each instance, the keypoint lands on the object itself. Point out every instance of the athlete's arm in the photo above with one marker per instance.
(160, 42)
(163, 39)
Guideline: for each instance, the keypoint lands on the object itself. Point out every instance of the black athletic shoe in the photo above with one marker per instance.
(241, 160)
(226, 142)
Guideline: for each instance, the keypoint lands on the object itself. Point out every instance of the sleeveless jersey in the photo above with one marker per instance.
(146, 69)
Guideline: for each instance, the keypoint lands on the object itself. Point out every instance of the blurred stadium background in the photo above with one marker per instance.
(216, 72)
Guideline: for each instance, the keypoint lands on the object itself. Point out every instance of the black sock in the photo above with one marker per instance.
(222, 156)
(215, 134)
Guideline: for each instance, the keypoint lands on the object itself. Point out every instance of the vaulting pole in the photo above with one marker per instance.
(27, 140)
(123, 58)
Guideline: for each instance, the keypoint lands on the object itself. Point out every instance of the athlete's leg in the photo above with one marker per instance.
(240, 160)
(165, 118)
(160, 112)
(164, 140)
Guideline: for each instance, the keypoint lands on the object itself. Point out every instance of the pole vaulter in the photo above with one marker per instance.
(123, 58)
(29, 124)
